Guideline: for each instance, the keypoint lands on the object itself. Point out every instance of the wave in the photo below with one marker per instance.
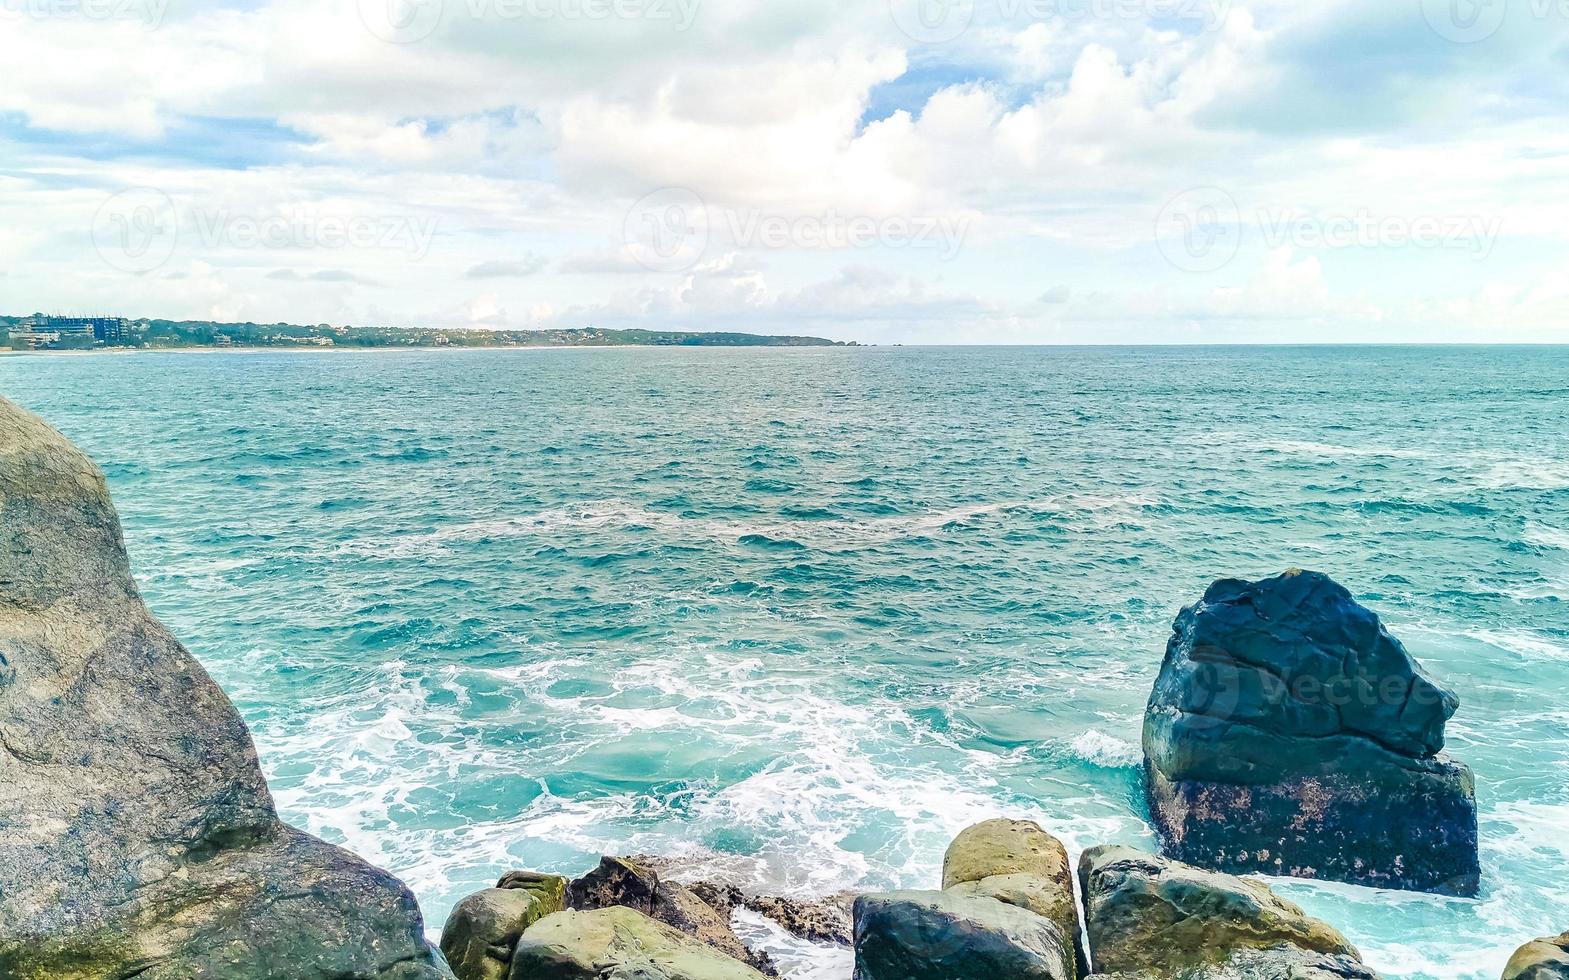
(1477, 470)
(1107, 752)
(1100, 510)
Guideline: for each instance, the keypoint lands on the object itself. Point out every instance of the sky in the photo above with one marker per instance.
(885, 171)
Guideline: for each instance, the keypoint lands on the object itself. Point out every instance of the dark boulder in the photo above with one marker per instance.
(1155, 919)
(1543, 959)
(947, 936)
(137, 835)
(1290, 734)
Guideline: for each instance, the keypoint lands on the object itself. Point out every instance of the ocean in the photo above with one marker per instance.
(800, 615)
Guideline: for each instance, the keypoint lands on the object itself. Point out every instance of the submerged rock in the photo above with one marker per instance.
(617, 943)
(137, 834)
(946, 936)
(1152, 918)
(1290, 734)
(1017, 863)
(484, 928)
(1542, 959)
(634, 884)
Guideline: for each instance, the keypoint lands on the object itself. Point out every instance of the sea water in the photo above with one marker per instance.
(800, 616)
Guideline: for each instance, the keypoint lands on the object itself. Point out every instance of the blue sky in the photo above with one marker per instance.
(914, 171)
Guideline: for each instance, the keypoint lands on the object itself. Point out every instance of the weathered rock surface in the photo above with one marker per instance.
(1152, 918)
(1542, 959)
(945, 936)
(821, 920)
(618, 943)
(1020, 864)
(484, 928)
(1289, 733)
(629, 883)
(137, 835)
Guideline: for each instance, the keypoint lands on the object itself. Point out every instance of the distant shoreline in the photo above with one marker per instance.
(312, 349)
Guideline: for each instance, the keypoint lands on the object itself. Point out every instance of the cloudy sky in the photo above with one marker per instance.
(937, 171)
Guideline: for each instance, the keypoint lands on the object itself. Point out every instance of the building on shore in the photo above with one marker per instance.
(46, 332)
(105, 329)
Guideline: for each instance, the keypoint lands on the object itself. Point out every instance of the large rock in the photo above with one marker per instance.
(944, 936)
(1151, 918)
(631, 883)
(1543, 959)
(1290, 734)
(1018, 863)
(617, 943)
(137, 835)
(484, 928)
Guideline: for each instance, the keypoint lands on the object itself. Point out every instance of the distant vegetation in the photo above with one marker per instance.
(145, 334)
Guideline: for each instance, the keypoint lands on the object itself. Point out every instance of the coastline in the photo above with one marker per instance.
(129, 351)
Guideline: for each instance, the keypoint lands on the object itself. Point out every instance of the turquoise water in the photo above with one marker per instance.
(804, 614)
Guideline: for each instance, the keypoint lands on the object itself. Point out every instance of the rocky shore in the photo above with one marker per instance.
(1288, 734)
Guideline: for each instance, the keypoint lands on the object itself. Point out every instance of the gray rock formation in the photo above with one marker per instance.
(617, 943)
(1018, 863)
(1154, 919)
(483, 929)
(137, 835)
(945, 936)
(1289, 733)
(1542, 959)
(821, 920)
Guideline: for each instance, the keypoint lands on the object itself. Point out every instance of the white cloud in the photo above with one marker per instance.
(522, 145)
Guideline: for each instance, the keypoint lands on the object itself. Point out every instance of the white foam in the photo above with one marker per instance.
(1100, 749)
(797, 959)
(828, 535)
(1546, 536)
(1525, 644)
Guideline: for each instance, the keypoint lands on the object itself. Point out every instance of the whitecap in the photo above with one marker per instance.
(1106, 751)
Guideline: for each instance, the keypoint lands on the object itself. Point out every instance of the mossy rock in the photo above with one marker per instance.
(1152, 917)
(618, 944)
(483, 929)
